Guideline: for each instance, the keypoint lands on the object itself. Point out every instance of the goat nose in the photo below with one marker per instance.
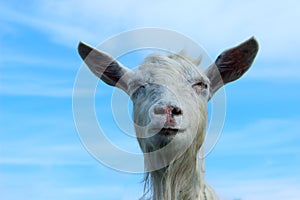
(167, 109)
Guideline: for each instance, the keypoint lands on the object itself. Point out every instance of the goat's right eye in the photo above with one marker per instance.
(139, 91)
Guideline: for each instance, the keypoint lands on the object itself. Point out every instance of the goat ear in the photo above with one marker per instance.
(105, 66)
(232, 64)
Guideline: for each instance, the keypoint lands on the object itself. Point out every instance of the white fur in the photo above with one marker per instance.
(182, 178)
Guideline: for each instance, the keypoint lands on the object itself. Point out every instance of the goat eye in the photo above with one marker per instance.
(140, 90)
(201, 84)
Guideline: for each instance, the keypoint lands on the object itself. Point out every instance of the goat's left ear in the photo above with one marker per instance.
(105, 66)
(232, 64)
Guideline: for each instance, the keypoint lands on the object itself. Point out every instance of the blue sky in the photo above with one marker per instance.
(41, 156)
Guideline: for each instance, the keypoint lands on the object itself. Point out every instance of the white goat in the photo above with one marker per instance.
(170, 95)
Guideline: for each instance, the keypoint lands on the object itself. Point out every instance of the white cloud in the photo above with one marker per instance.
(33, 152)
(259, 189)
(274, 71)
(59, 31)
(37, 184)
(257, 161)
(216, 24)
(35, 87)
(266, 136)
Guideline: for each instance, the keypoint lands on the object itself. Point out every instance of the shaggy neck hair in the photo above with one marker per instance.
(179, 180)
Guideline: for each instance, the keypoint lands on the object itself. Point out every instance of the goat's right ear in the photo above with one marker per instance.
(105, 66)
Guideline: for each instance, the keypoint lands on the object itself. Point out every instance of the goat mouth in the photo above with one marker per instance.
(168, 131)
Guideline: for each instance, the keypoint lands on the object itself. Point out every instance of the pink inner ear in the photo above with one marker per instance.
(104, 66)
(232, 64)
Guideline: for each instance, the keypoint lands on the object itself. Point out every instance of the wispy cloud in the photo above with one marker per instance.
(34, 84)
(52, 187)
(259, 161)
(266, 136)
(57, 149)
(11, 57)
(68, 22)
(259, 189)
(276, 70)
(216, 25)
(58, 30)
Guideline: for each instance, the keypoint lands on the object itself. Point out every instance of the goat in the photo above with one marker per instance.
(170, 95)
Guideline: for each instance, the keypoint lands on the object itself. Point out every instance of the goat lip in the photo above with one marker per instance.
(169, 131)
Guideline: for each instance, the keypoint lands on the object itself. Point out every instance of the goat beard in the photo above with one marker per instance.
(180, 178)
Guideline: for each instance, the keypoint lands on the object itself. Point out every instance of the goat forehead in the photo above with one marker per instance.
(161, 68)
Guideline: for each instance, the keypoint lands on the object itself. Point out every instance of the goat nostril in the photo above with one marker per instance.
(171, 110)
(176, 111)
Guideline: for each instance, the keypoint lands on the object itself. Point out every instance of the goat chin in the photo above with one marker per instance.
(181, 179)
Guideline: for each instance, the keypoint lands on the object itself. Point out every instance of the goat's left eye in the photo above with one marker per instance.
(201, 84)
